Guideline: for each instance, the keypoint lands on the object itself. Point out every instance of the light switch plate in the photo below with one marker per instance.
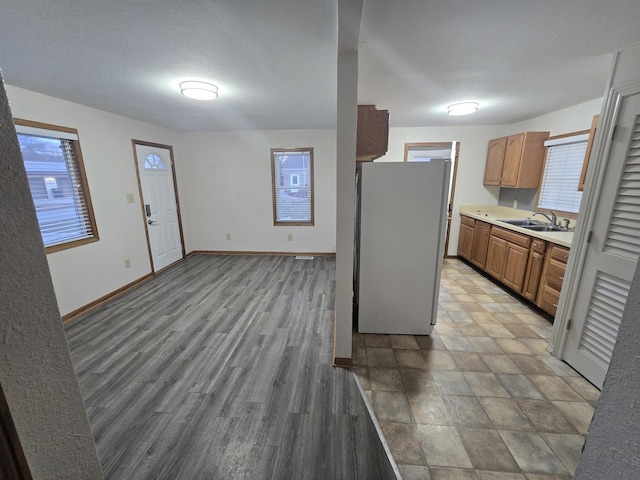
(130, 198)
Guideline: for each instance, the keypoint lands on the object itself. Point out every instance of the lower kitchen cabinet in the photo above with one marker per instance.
(534, 269)
(465, 240)
(555, 264)
(507, 257)
(480, 243)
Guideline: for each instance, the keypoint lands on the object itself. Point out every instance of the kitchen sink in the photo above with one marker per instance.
(544, 228)
(522, 222)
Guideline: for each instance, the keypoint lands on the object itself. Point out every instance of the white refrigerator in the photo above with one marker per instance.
(401, 224)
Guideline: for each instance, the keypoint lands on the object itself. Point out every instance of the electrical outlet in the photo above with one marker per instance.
(130, 198)
(127, 263)
(228, 236)
(290, 237)
(515, 204)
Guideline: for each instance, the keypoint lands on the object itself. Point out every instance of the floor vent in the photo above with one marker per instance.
(304, 257)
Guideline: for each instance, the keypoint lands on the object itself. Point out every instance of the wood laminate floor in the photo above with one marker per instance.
(220, 368)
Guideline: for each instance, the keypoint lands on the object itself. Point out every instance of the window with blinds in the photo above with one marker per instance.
(559, 187)
(53, 162)
(292, 181)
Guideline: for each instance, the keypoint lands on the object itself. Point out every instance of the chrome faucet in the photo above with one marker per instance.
(553, 218)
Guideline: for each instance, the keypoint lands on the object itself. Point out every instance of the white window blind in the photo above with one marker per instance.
(54, 171)
(292, 172)
(559, 188)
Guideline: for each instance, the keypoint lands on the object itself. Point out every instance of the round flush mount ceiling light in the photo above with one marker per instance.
(464, 108)
(199, 90)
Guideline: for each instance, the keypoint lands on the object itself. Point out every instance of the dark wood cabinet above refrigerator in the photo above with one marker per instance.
(373, 133)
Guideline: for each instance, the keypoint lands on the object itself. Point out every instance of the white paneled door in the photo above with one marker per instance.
(612, 253)
(155, 170)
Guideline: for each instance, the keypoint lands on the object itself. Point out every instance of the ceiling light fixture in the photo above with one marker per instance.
(199, 90)
(464, 108)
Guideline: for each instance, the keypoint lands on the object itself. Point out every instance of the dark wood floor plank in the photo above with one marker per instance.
(220, 368)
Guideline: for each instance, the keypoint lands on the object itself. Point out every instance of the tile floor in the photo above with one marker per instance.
(480, 398)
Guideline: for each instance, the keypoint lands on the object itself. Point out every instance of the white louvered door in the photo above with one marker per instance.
(612, 254)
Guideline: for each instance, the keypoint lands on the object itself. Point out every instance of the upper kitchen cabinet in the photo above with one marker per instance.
(516, 161)
(373, 133)
(587, 154)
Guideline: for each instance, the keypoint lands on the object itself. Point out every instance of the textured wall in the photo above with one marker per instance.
(35, 367)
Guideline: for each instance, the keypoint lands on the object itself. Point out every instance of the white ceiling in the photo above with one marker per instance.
(275, 60)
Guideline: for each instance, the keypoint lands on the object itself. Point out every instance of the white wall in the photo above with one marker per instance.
(229, 191)
(86, 273)
(567, 120)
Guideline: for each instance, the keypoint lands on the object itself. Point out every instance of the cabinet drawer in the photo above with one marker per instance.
(549, 298)
(561, 254)
(538, 245)
(512, 237)
(555, 274)
(469, 222)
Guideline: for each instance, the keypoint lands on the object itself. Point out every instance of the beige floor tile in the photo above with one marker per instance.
(521, 331)
(494, 307)
(512, 345)
(497, 330)
(442, 446)
(483, 317)
(457, 343)
(555, 388)
(479, 307)
(404, 443)
(363, 376)
(410, 359)
(504, 413)
(461, 318)
(451, 383)
(446, 329)
(392, 407)
(542, 476)
(481, 297)
(385, 379)
(578, 413)
(517, 308)
(418, 381)
(430, 342)
(485, 385)
(536, 345)
(469, 362)
(530, 364)
(466, 411)
(507, 317)
(486, 475)
(486, 450)
(358, 339)
(443, 473)
(429, 409)
(531, 319)
(471, 329)
(359, 356)
(566, 447)
(558, 366)
(463, 297)
(545, 417)
(439, 360)
(376, 340)
(403, 342)
(414, 472)
(532, 453)
(543, 330)
(380, 357)
(484, 345)
(450, 306)
(587, 391)
(519, 386)
(500, 363)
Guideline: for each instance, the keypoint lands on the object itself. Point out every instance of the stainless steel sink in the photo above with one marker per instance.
(522, 222)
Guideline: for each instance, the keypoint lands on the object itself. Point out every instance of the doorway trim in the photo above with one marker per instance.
(454, 175)
(143, 143)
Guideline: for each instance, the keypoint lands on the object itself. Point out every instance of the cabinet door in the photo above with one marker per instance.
(512, 159)
(495, 160)
(515, 267)
(465, 241)
(496, 257)
(480, 244)
(532, 277)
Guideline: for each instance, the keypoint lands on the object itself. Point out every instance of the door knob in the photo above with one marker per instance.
(152, 222)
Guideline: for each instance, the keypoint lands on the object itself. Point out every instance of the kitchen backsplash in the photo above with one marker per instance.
(526, 197)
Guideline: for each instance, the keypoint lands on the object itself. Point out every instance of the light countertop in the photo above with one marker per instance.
(493, 213)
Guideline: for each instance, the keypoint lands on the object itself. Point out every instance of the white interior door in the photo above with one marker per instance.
(155, 169)
(612, 253)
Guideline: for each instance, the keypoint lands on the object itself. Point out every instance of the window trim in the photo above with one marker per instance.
(559, 213)
(280, 223)
(77, 152)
